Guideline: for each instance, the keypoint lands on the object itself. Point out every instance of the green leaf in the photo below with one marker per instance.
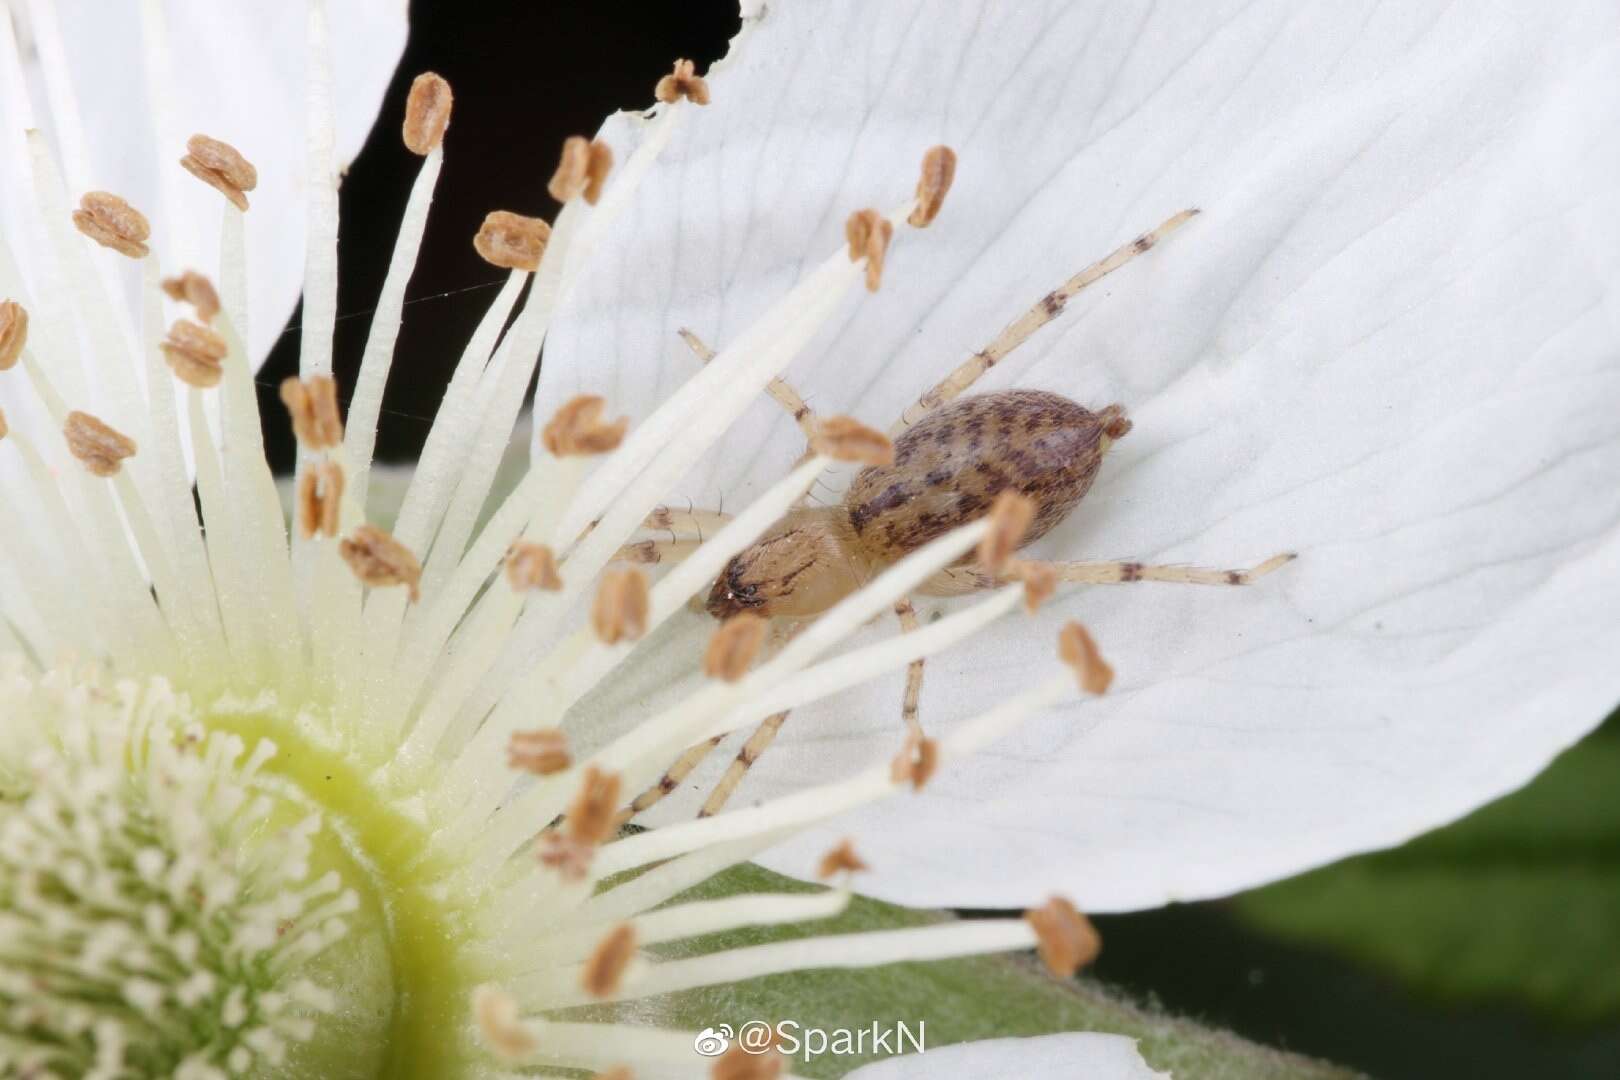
(979, 998)
(1519, 903)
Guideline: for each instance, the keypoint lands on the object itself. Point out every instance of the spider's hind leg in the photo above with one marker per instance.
(1022, 328)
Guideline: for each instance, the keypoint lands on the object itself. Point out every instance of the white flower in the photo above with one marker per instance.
(1389, 343)
(257, 799)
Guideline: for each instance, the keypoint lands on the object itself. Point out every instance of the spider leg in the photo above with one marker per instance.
(958, 580)
(914, 670)
(687, 522)
(756, 745)
(667, 783)
(779, 388)
(1112, 573)
(649, 552)
(1020, 329)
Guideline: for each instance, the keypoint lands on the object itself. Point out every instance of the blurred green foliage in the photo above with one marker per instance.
(1517, 904)
(974, 998)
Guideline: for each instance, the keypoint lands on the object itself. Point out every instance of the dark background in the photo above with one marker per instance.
(526, 74)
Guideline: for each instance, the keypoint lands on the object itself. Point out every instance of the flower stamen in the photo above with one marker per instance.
(13, 333)
(683, 82)
(113, 223)
(620, 611)
(222, 167)
(320, 500)
(868, 233)
(542, 752)
(938, 170)
(582, 171)
(576, 428)
(1077, 649)
(195, 354)
(532, 566)
(1011, 515)
(380, 561)
(916, 762)
(1066, 940)
(427, 113)
(512, 241)
(734, 645)
(194, 289)
(841, 860)
(498, 1021)
(605, 969)
(312, 405)
(843, 438)
(98, 446)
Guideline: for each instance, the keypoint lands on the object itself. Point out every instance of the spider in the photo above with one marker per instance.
(951, 456)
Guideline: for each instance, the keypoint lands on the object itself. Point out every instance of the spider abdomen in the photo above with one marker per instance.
(951, 464)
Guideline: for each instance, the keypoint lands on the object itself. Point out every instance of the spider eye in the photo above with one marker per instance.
(747, 592)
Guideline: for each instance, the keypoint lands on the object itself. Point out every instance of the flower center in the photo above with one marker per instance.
(401, 980)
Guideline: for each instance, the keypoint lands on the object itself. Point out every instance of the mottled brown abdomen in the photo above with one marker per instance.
(950, 465)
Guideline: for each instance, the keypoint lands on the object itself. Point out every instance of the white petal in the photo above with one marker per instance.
(1390, 343)
(1094, 1057)
(236, 72)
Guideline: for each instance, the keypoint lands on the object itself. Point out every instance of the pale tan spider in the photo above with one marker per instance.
(950, 459)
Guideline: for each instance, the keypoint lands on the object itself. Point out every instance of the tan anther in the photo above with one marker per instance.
(582, 171)
(589, 821)
(840, 860)
(542, 751)
(1040, 581)
(512, 241)
(1079, 651)
(843, 438)
(577, 428)
(620, 611)
(618, 1072)
(194, 289)
(3, 428)
(746, 1064)
(868, 233)
(590, 815)
(112, 222)
(320, 500)
(938, 170)
(13, 333)
(498, 1021)
(427, 113)
(531, 566)
(570, 858)
(312, 404)
(100, 448)
(683, 82)
(222, 167)
(1010, 517)
(604, 971)
(734, 645)
(195, 354)
(916, 762)
(1065, 938)
(380, 561)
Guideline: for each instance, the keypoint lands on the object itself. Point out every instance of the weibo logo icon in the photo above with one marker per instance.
(713, 1041)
